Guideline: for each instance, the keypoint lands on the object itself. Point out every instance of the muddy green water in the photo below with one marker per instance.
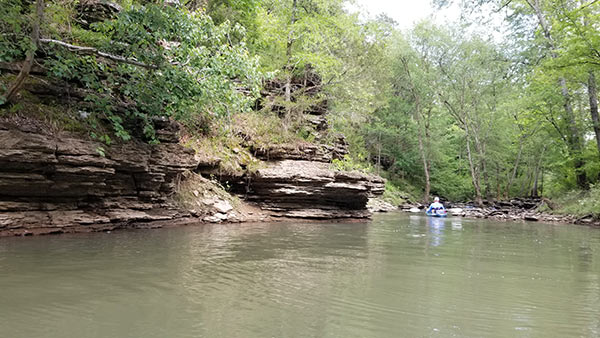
(397, 276)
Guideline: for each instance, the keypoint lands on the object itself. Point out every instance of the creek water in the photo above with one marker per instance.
(397, 276)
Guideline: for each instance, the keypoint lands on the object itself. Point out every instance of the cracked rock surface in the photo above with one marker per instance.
(53, 184)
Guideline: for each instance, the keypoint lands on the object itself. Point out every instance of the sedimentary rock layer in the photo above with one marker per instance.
(64, 183)
(60, 183)
(305, 189)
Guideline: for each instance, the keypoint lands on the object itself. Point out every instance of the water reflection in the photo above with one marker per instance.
(401, 273)
(436, 227)
(585, 255)
(457, 224)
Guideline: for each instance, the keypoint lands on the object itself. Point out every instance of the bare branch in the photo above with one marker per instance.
(587, 5)
(92, 50)
(560, 133)
(503, 6)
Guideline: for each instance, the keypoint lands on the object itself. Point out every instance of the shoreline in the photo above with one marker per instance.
(168, 218)
(261, 216)
(546, 219)
(515, 210)
(184, 221)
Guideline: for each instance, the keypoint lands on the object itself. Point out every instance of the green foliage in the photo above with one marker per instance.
(579, 203)
(180, 65)
(14, 34)
(350, 164)
(477, 111)
(242, 12)
(395, 193)
(503, 101)
(261, 129)
(199, 71)
(348, 54)
(552, 48)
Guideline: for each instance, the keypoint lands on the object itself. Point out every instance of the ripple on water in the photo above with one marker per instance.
(398, 275)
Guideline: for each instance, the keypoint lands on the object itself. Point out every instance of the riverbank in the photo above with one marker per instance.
(55, 177)
(248, 213)
(518, 209)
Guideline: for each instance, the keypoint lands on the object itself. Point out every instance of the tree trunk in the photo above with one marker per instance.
(379, 154)
(542, 187)
(534, 191)
(575, 143)
(515, 168)
(15, 86)
(498, 187)
(481, 169)
(574, 139)
(486, 179)
(526, 183)
(423, 152)
(593, 95)
(474, 174)
(427, 148)
(288, 54)
(425, 169)
(424, 128)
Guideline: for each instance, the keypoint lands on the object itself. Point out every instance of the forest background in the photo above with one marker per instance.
(453, 111)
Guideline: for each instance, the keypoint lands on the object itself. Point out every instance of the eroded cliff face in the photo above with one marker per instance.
(309, 189)
(297, 180)
(63, 183)
(300, 183)
(60, 183)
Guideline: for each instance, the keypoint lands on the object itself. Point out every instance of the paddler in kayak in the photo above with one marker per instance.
(435, 207)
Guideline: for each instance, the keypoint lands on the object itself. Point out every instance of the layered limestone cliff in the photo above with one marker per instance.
(64, 183)
(61, 183)
(301, 183)
(309, 189)
(297, 180)
(56, 182)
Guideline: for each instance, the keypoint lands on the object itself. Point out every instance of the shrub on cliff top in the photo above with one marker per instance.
(148, 61)
(261, 129)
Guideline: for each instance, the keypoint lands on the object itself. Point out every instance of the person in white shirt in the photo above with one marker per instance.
(435, 206)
